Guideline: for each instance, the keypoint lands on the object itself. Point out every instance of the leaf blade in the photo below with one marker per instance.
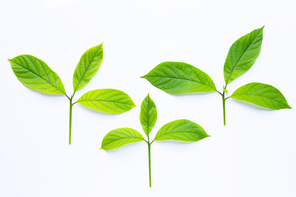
(182, 130)
(36, 74)
(179, 78)
(120, 137)
(261, 94)
(242, 55)
(87, 66)
(148, 114)
(107, 100)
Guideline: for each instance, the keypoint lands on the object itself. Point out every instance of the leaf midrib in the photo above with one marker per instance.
(259, 95)
(93, 100)
(122, 139)
(82, 77)
(242, 56)
(38, 75)
(180, 79)
(166, 135)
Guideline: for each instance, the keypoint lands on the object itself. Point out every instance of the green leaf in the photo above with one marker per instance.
(35, 74)
(183, 130)
(179, 78)
(242, 55)
(119, 137)
(87, 67)
(261, 94)
(148, 115)
(107, 100)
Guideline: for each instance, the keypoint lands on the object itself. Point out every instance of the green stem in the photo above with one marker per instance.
(70, 117)
(149, 160)
(223, 100)
(70, 120)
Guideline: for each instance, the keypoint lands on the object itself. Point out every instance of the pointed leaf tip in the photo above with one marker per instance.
(179, 78)
(120, 137)
(261, 94)
(148, 114)
(36, 74)
(107, 100)
(182, 130)
(88, 66)
(242, 55)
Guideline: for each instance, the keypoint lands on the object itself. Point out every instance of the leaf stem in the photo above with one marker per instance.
(70, 116)
(219, 92)
(70, 120)
(67, 96)
(149, 160)
(223, 100)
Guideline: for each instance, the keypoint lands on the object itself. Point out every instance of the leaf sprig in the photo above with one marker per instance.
(35, 74)
(182, 78)
(182, 130)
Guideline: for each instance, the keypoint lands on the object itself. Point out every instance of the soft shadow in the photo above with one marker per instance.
(122, 148)
(173, 141)
(46, 94)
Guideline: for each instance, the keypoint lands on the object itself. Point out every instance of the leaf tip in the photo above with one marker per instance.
(289, 107)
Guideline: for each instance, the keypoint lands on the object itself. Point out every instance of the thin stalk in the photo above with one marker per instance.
(70, 117)
(149, 160)
(223, 100)
(70, 120)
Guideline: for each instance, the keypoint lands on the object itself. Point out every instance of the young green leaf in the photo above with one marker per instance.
(179, 78)
(182, 130)
(35, 74)
(119, 137)
(242, 55)
(148, 115)
(107, 100)
(261, 94)
(87, 67)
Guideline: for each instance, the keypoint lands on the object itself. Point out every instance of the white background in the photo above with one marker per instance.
(254, 155)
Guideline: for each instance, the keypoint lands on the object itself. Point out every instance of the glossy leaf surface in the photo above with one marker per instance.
(120, 137)
(35, 74)
(182, 130)
(179, 78)
(87, 67)
(242, 54)
(261, 94)
(107, 100)
(148, 115)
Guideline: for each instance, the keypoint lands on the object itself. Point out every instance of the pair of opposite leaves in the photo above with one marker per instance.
(181, 78)
(182, 130)
(35, 74)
